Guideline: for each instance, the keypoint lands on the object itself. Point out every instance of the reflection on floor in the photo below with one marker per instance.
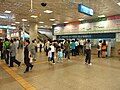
(104, 74)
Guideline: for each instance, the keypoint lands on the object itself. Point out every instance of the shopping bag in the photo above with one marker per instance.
(31, 59)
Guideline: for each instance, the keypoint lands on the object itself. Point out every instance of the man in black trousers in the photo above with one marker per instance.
(27, 56)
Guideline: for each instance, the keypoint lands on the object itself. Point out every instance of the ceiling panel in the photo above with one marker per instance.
(63, 10)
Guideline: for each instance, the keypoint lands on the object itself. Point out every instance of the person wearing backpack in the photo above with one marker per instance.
(6, 47)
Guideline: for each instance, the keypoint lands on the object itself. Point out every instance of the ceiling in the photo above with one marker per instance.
(63, 10)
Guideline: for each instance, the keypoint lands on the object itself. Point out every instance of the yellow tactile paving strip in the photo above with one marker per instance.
(26, 85)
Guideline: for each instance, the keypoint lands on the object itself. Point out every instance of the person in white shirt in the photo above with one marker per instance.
(53, 51)
(49, 54)
(88, 53)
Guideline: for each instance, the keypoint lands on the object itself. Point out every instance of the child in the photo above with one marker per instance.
(60, 55)
(49, 54)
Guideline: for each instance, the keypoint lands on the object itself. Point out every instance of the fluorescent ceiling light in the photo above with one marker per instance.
(24, 20)
(101, 16)
(13, 24)
(33, 16)
(48, 11)
(65, 22)
(54, 24)
(17, 22)
(41, 22)
(118, 3)
(7, 11)
(80, 19)
(52, 19)
(3, 17)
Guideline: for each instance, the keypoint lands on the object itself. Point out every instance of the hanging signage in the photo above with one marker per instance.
(84, 9)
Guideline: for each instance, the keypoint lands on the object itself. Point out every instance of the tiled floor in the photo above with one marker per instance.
(7, 82)
(104, 74)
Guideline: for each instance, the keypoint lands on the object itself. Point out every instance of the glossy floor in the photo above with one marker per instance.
(104, 74)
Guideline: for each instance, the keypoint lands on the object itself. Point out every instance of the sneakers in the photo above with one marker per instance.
(90, 64)
(54, 63)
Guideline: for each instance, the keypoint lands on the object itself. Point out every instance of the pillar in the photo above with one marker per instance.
(33, 31)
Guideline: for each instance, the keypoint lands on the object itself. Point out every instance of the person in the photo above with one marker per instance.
(104, 49)
(82, 46)
(18, 43)
(60, 55)
(6, 47)
(109, 48)
(35, 44)
(76, 47)
(1, 48)
(53, 51)
(13, 55)
(31, 48)
(41, 46)
(99, 48)
(47, 45)
(67, 49)
(88, 52)
(49, 55)
(38, 46)
(27, 57)
(73, 47)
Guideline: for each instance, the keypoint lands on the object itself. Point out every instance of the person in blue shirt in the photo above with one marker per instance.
(60, 55)
(73, 47)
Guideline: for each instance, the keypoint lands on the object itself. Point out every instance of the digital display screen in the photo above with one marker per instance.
(84, 9)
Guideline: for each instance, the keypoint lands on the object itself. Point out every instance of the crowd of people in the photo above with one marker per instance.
(57, 48)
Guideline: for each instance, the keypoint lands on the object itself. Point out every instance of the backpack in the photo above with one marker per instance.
(6, 45)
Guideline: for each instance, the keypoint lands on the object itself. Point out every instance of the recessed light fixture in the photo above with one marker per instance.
(65, 22)
(7, 11)
(118, 3)
(33, 16)
(48, 11)
(42, 26)
(28, 25)
(101, 16)
(41, 22)
(80, 19)
(54, 24)
(52, 19)
(17, 22)
(24, 20)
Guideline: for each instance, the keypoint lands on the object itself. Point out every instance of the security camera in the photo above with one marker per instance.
(43, 4)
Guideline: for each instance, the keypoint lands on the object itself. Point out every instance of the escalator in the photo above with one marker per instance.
(43, 37)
